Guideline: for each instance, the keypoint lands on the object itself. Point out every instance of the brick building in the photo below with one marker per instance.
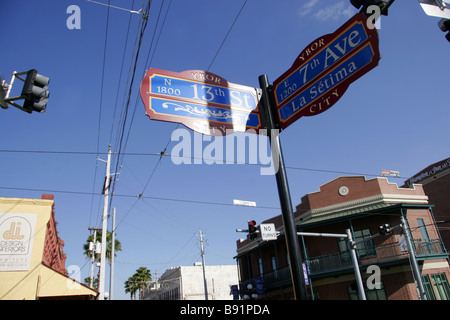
(361, 205)
(435, 180)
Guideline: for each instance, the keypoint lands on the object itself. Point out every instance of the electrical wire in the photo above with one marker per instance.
(227, 162)
(132, 196)
(100, 109)
(120, 74)
(226, 36)
(120, 145)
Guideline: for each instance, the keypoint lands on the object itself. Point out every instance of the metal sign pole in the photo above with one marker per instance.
(359, 282)
(292, 243)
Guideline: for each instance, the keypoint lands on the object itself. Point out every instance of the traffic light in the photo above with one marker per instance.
(252, 229)
(3, 88)
(383, 5)
(444, 25)
(385, 229)
(35, 92)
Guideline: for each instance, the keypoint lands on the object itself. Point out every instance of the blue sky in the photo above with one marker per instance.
(395, 117)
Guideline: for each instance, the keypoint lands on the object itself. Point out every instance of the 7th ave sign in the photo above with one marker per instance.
(324, 70)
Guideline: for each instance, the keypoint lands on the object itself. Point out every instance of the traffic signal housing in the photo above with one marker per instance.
(444, 25)
(35, 92)
(365, 4)
(385, 229)
(252, 229)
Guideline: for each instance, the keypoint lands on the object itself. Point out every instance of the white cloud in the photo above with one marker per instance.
(307, 7)
(333, 12)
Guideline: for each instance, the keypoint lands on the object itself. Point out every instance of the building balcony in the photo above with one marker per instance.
(339, 263)
(387, 254)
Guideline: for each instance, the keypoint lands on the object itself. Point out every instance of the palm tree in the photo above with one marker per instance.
(88, 253)
(138, 281)
(131, 286)
(143, 277)
(117, 246)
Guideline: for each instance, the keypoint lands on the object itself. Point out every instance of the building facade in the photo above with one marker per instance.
(187, 283)
(32, 260)
(362, 206)
(435, 180)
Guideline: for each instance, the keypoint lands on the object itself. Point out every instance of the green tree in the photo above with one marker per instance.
(131, 287)
(88, 253)
(137, 282)
(117, 246)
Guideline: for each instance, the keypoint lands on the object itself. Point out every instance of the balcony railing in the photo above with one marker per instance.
(341, 262)
(378, 255)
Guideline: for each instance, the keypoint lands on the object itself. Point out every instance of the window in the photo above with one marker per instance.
(260, 264)
(274, 263)
(442, 286)
(363, 249)
(428, 287)
(424, 245)
(273, 260)
(423, 230)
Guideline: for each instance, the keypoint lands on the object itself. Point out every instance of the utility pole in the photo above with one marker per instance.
(94, 251)
(101, 280)
(113, 248)
(203, 264)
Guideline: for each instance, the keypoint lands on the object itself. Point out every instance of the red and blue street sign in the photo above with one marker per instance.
(325, 69)
(200, 100)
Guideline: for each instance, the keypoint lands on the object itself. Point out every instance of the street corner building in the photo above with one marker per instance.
(32, 260)
(435, 180)
(380, 217)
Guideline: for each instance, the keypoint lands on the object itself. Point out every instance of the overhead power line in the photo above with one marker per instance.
(140, 196)
(115, 7)
(226, 36)
(163, 153)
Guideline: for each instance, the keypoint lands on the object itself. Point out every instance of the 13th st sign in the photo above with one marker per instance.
(201, 100)
(324, 70)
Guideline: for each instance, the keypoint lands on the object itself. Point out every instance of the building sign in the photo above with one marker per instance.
(259, 282)
(429, 172)
(325, 69)
(200, 100)
(16, 241)
(234, 291)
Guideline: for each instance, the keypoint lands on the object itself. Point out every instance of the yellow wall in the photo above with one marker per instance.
(39, 280)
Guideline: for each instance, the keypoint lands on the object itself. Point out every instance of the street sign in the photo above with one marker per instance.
(200, 100)
(246, 203)
(390, 173)
(325, 69)
(268, 231)
(436, 8)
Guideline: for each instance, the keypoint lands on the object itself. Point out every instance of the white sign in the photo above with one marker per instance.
(390, 173)
(16, 240)
(244, 203)
(268, 231)
(436, 8)
(402, 243)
